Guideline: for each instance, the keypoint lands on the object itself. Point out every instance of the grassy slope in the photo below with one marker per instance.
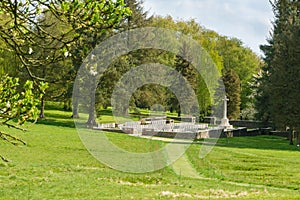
(56, 165)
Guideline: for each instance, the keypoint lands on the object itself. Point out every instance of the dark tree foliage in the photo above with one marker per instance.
(279, 85)
(138, 19)
(184, 66)
(233, 89)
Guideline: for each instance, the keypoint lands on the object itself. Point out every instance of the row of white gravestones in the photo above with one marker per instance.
(159, 122)
(161, 125)
(108, 125)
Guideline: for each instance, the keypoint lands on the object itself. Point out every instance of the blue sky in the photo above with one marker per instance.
(248, 20)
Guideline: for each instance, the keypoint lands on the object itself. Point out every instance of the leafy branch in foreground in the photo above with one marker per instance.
(17, 107)
(26, 29)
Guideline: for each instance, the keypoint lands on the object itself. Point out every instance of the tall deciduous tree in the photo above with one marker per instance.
(109, 16)
(137, 19)
(243, 62)
(184, 66)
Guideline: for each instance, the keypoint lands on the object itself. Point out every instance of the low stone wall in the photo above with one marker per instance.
(114, 130)
(280, 133)
(243, 132)
(266, 131)
(178, 135)
(250, 124)
(240, 123)
(217, 133)
(201, 134)
(128, 130)
(210, 120)
(148, 132)
(254, 132)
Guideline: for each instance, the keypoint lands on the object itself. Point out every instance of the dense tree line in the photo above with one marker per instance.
(52, 47)
(278, 84)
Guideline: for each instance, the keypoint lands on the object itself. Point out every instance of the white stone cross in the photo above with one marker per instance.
(225, 121)
(225, 107)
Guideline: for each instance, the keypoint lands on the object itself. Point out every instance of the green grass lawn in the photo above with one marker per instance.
(56, 165)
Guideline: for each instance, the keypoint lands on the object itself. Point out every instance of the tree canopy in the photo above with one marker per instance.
(278, 85)
(50, 39)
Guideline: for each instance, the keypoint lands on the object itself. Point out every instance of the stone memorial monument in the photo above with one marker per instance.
(225, 121)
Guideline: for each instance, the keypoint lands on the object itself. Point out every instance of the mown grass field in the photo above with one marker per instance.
(56, 165)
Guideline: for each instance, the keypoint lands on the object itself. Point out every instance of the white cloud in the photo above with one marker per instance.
(248, 20)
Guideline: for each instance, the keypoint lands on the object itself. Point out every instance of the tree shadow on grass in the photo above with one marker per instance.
(105, 112)
(54, 106)
(60, 116)
(53, 122)
(264, 142)
(57, 118)
(108, 112)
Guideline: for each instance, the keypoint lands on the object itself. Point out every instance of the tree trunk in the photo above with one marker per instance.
(298, 138)
(92, 118)
(75, 114)
(178, 113)
(67, 105)
(42, 111)
(291, 137)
